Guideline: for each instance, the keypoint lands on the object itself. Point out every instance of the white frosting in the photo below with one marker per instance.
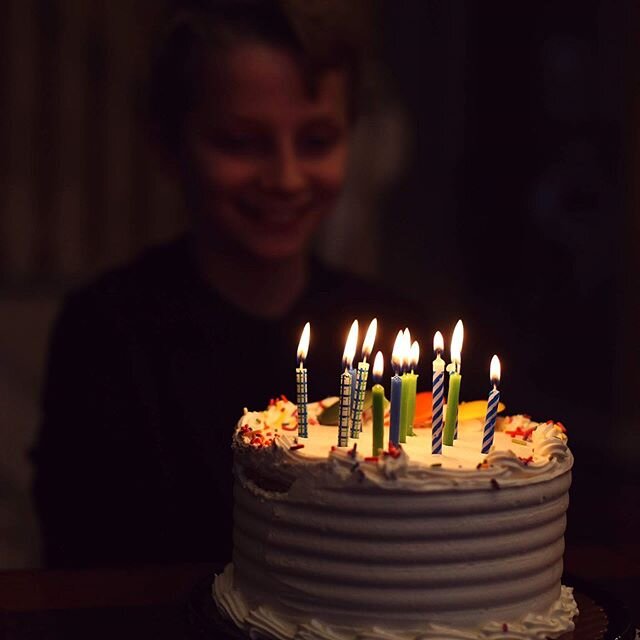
(411, 545)
(264, 622)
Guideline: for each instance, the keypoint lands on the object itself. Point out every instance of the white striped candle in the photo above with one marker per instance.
(346, 386)
(345, 409)
(357, 402)
(360, 384)
(437, 390)
(492, 407)
(301, 400)
(301, 383)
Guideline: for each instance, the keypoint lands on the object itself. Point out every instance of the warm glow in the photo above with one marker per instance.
(494, 370)
(351, 346)
(378, 366)
(396, 354)
(456, 342)
(303, 345)
(406, 348)
(414, 355)
(369, 339)
(438, 342)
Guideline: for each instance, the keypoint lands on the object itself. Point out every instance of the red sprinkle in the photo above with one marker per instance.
(394, 451)
(295, 447)
(371, 459)
(526, 461)
(505, 627)
(519, 432)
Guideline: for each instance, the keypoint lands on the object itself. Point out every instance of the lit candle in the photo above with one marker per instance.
(354, 330)
(404, 406)
(454, 384)
(492, 406)
(396, 389)
(357, 401)
(437, 402)
(378, 405)
(345, 386)
(301, 382)
(412, 385)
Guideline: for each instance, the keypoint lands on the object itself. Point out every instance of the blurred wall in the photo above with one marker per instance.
(81, 191)
(501, 188)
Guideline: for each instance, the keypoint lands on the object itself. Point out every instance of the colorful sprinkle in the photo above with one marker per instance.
(295, 447)
(519, 441)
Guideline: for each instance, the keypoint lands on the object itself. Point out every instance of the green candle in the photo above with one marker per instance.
(413, 386)
(452, 407)
(404, 406)
(406, 386)
(454, 384)
(378, 406)
(411, 411)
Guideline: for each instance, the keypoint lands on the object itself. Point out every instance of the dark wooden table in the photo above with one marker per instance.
(149, 602)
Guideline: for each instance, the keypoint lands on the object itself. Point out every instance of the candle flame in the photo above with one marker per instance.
(414, 355)
(494, 370)
(303, 345)
(438, 342)
(396, 354)
(378, 366)
(351, 346)
(406, 348)
(456, 342)
(369, 339)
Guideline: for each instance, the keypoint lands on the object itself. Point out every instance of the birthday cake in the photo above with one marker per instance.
(333, 543)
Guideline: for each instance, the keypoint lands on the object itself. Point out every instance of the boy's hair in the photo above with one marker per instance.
(322, 34)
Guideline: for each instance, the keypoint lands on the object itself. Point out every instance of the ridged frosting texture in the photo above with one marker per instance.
(397, 547)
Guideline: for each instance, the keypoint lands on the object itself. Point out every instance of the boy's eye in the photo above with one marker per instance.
(318, 141)
(240, 143)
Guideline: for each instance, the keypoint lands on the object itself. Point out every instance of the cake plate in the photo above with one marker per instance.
(602, 616)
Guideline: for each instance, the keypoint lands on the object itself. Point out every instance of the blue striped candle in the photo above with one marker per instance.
(396, 390)
(492, 407)
(437, 395)
(345, 409)
(437, 412)
(357, 402)
(396, 401)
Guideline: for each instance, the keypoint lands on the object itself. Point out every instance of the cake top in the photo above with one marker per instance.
(523, 450)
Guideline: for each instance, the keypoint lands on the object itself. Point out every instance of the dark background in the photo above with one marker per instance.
(516, 208)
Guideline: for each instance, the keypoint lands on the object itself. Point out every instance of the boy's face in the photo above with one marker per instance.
(264, 160)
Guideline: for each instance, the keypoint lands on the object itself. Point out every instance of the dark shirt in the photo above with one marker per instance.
(149, 370)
